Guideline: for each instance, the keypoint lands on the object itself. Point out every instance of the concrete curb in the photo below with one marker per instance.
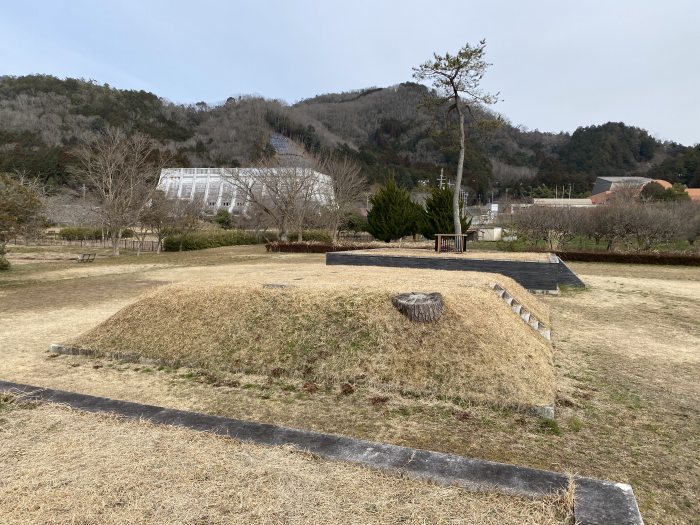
(596, 502)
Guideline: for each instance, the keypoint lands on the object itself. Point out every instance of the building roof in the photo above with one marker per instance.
(562, 202)
(663, 183)
(625, 179)
(694, 194)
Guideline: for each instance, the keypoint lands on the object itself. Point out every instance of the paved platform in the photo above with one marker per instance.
(538, 276)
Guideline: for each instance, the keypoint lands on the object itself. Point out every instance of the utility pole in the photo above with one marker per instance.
(441, 180)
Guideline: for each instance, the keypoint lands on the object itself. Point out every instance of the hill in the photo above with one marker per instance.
(331, 328)
(384, 129)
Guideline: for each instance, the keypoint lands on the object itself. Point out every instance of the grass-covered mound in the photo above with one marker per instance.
(329, 327)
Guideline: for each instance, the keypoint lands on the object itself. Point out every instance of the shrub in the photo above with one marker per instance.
(356, 223)
(314, 247)
(80, 233)
(4, 264)
(312, 236)
(223, 218)
(202, 240)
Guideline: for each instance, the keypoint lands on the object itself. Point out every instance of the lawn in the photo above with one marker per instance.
(626, 355)
(115, 472)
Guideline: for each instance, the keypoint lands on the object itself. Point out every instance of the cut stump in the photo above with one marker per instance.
(419, 307)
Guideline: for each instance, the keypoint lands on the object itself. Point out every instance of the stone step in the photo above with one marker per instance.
(524, 314)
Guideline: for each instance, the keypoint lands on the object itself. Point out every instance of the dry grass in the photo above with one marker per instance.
(61, 466)
(330, 328)
(627, 359)
(495, 256)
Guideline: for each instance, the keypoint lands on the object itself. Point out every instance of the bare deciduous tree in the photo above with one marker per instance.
(157, 217)
(286, 194)
(20, 209)
(122, 171)
(344, 192)
(553, 225)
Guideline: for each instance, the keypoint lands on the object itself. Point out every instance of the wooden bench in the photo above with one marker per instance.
(86, 257)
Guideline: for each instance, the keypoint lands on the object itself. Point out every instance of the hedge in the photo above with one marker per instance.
(630, 258)
(207, 239)
(314, 247)
(86, 233)
(311, 235)
(80, 233)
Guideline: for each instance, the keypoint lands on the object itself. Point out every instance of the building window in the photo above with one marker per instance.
(226, 203)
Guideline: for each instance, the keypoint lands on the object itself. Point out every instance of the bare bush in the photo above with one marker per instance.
(555, 226)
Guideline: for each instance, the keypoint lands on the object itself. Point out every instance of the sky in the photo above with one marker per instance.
(557, 64)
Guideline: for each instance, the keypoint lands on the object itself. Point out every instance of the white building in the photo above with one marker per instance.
(225, 188)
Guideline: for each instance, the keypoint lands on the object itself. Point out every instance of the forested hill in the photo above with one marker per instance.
(388, 130)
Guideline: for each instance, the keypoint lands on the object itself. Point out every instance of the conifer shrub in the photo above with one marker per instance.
(439, 214)
(393, 215)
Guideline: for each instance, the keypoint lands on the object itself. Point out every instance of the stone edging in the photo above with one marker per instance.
(596, 502)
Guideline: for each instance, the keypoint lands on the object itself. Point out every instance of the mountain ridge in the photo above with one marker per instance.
(387, 130)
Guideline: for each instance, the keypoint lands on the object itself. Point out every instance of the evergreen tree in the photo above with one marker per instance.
(439, 213)
(392, 215)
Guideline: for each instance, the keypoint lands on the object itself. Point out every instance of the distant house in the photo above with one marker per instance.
(563, 203)
(694, 194)
(605, 186)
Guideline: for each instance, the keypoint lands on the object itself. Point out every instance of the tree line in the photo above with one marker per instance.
(621, 225)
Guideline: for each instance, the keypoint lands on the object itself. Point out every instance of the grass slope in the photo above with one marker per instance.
(328, 327)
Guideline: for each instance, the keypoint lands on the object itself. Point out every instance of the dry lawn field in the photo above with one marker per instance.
(626, 355)
(61, 466)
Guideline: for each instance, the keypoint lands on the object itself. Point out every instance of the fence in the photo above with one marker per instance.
(124, 244)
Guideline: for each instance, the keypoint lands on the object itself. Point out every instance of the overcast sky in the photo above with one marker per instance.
(558, 64)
